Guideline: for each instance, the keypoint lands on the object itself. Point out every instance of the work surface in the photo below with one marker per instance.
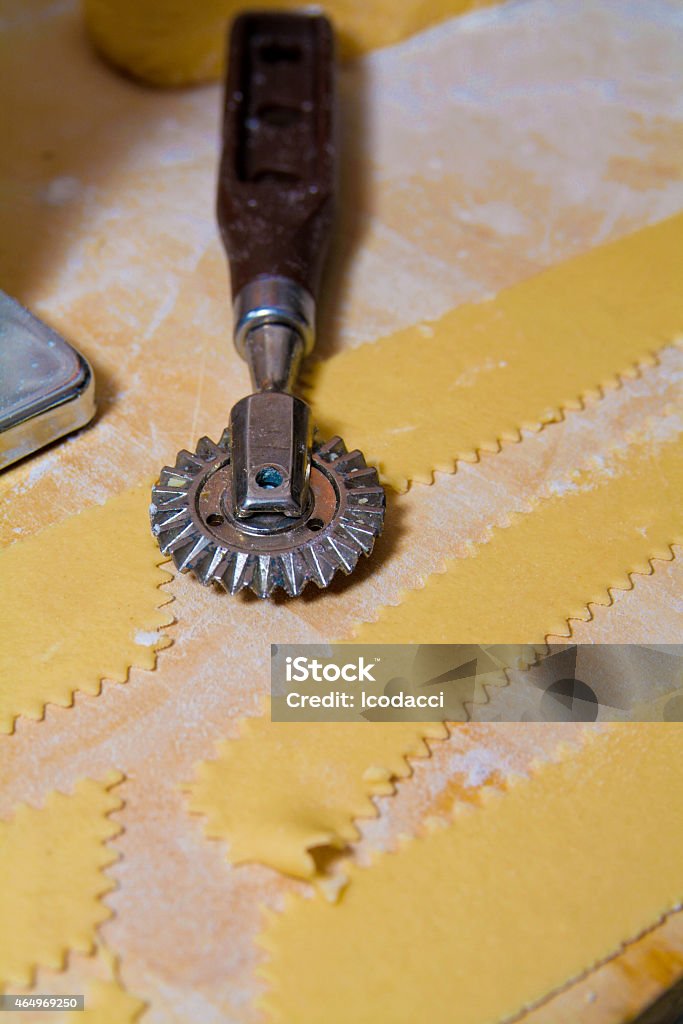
(474, 156)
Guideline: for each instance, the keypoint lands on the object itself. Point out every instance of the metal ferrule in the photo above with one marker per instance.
(274, 300)
(273, 353)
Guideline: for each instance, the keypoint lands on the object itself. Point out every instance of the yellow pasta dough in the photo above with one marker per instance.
(511, 900)
(183, 41)
(51, 877)
(106, 999)
(79, 603)
(107, 1002)
(285, 788)
(464, 383)
(551, 563)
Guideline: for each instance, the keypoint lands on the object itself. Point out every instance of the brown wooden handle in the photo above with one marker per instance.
(276, 179)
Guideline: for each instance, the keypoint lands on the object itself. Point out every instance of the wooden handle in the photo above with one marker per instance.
(276, 180)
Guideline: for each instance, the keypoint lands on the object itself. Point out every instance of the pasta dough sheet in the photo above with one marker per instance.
(80, 602)
(476, 377)
(553, 563)
(504, 904)
(51, 877)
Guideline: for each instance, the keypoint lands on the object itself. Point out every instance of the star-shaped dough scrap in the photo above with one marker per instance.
(52, 861)
(285, 789)
(79, 603)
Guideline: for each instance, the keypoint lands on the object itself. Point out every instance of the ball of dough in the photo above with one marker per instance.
(178, 42)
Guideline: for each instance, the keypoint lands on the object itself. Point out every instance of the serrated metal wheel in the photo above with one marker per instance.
(193, 520)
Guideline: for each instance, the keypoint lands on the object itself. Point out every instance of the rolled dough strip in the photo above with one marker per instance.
(418, 400)
(512, 900)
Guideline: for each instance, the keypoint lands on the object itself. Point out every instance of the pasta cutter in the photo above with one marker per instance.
(272, 505)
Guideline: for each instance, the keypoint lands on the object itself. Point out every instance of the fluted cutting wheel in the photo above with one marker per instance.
(193, 521)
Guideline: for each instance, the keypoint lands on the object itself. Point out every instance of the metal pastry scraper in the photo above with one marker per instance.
(271, 505)
(47, 388)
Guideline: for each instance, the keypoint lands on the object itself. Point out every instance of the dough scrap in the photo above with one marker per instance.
(283, 789)
(79, 602)
(95, 974)
(552, 563)
(51, 877)
(420, 399)
(501, 907)
(107, 1000)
